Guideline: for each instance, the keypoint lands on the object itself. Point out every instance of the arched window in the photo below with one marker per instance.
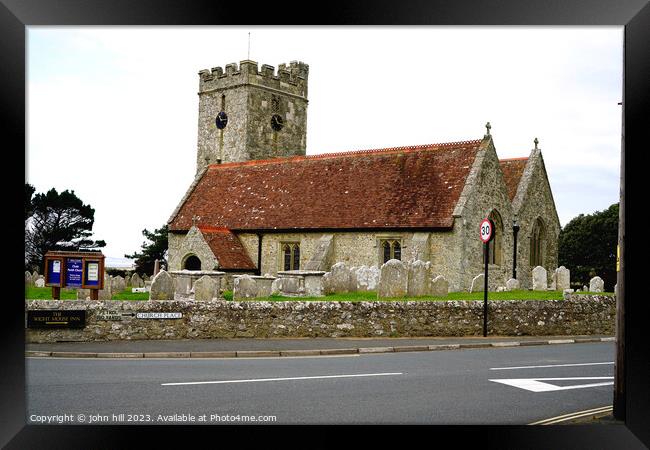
(291, 256)
(537, 239)
(192, 263)
(496, 244)
(391, 249)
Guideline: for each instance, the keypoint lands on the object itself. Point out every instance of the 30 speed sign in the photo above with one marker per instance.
(487, 230)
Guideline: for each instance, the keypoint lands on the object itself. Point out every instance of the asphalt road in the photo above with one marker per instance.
(448, 387)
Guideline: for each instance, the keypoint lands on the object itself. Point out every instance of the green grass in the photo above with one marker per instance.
(45, 293)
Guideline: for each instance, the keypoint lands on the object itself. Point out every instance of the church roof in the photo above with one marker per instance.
(401, 187)
(512, 169)
(227, 248)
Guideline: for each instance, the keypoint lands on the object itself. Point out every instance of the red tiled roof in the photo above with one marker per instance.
(512, 169)
(227, 248)
(402, 187)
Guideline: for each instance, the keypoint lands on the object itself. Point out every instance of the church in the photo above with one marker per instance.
(259, 204)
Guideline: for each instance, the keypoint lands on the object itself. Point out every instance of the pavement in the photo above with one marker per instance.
(274, 347)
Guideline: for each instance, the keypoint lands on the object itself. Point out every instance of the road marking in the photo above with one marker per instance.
(574, 415)
(551, 365)
(255, 380)
(536, 385)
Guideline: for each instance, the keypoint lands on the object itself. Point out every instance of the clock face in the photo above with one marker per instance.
(221, 120)
(277, 122)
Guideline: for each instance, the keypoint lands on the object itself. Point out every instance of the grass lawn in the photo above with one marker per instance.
(45, 293)
(372, 296)
(71, 294)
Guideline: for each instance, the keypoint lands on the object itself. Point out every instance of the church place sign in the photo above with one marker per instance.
(76, 270)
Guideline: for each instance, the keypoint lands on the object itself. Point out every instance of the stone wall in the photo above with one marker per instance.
(579, 315)
(182, 246)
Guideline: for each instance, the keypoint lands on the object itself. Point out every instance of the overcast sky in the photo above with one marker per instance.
(112, 111)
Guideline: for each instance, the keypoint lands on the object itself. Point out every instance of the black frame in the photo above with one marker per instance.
(634, 14)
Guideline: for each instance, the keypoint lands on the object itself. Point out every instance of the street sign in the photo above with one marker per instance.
(487, 230)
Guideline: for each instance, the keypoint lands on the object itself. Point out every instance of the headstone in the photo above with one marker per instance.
(585, 289)
(340, 279)
(162, 287)
(40, 281)
(117, 284)
(540, 279)
(596, 284)
(327, 286)
(393, 279)
(501, 289)
(183, 284)
(512, 284)
(127, 280)
(244, 287)
(34, 275)
(419, 278)
(478, 283)
(264, 286)
(106, 293)
(439, 286)
(206, 288)
(291, 285)
(562, 278)
(367, 278)
(136, 281)
(28, 279)
(276, 286)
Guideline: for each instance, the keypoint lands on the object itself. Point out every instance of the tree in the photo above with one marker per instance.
(155, 249)
(587, 246)
(56, 221)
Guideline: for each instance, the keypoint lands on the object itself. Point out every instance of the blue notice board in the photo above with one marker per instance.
(54, 267)
(73, 272)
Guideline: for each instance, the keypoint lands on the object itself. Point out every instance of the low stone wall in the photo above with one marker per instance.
(579, 315)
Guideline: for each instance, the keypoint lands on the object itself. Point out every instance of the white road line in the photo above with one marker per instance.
(551, 365)
(255, 380)
(537, 385)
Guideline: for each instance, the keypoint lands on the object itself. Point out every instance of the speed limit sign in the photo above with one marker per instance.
(487, 230)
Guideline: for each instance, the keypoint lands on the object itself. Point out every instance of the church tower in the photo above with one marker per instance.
(246, 114)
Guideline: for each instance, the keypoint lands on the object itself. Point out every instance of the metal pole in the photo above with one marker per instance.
(619, 368)
(485, 288)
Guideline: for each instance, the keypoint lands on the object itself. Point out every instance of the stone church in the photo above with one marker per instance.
(259, 204)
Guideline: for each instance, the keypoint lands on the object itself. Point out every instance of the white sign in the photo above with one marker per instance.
(486, 231)
(93, 271)
(133, 290)
(159, 315)
(56, 266)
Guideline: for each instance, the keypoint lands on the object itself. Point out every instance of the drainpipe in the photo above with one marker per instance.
(259, 253)
(515, 230)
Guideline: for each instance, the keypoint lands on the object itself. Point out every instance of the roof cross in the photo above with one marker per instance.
(194, 219)
(488, 126)
(536, 141)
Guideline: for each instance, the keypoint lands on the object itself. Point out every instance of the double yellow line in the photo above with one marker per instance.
(575, 415)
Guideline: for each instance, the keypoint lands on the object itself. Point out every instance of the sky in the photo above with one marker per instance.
(112, 112)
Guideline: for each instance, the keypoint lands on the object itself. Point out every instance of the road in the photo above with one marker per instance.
(471, 386)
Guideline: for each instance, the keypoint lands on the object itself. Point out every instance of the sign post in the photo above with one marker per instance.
(487, 234)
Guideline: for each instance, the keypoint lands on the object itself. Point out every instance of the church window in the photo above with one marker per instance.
(537, 244)
(291, 256)
(391, 249)
(192, 263)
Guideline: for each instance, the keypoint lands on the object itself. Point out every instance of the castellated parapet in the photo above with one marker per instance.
(291, 78)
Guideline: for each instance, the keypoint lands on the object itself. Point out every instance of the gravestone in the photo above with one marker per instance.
(162, 287)
(439, 286)
(478, 283)
(106, 293)
(393, 279)
(585, 289)
(512, 284)
(117, 284)
(34, 276)
(28, 279)
(562, 278)
(340, 279)
(540, 279)
(244, 287)
(276, 286)
(596, 284)
(367, 278)
(206, 288)
(136, 281)
(419, 278)
(40, 281)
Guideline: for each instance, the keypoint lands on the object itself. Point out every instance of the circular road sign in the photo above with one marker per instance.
(487, 231)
